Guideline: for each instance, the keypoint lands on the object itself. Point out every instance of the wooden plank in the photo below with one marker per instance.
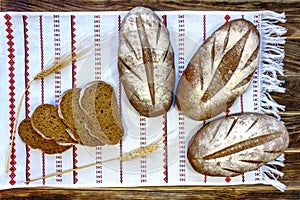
(291, 97)
(95, 5)
(292, 122)
(292, 59)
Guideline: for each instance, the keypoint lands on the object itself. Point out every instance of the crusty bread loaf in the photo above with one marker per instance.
(47, 123)
(98, 101)
(220, 70)
(34, 140)
(72, 115)
(146, 62)
(232, 145)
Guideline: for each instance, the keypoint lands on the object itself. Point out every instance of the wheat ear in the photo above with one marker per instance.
(65, 61)
(138, 153)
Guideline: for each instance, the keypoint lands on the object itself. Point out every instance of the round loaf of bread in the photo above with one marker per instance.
(236, 144)
(34, 140)
(72, 115)
(48, 124)
(99, 103)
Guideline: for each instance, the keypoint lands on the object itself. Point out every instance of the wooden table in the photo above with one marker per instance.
(291, 99)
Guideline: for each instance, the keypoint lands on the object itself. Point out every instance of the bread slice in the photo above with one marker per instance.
(34, 140)
(98, 100)
(47, 123)
(72, 115)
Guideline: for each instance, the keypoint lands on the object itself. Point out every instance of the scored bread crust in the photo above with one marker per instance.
(146, 62)
(34, 140)
(98, 101)
(236, 144)
(47, 123)
(220, 70)
(73, 116)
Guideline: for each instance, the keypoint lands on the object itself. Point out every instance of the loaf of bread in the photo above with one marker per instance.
(72, 115)
(48, 124)
(99, 103)
(220, 70)
(236, 144)
(34, 140)
(146, 62)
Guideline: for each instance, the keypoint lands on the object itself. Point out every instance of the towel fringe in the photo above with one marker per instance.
(270, 173)
(271, 64)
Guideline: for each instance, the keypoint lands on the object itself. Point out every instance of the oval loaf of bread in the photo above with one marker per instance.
(220, 70)
(236, 144)
(146, 62)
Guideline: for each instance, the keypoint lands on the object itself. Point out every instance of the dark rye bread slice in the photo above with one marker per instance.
(34, 140)
(72, 115)
(47, 123)
(98, 100)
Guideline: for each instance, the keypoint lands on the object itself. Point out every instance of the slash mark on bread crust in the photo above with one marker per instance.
(226, 68)
(231, 170)
(227, 37)
(129, 68)
(243, 145)
(252, 125)
(231, 127)
(130, 47)
(147, 55)
(252, 161)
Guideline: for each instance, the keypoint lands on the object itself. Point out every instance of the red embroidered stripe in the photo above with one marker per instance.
(57, 77)
(256, 92)
(74, 78)
(27, 105)
(42, 85)
(12, 106)
(97, 48)
(143, 143)
(204, 38)
(165, 131)
(120, 107)
(181, 135)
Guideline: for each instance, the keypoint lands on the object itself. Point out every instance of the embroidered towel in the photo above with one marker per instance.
(30, 42)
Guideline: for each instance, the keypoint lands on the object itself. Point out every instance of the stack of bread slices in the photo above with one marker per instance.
(89, 116)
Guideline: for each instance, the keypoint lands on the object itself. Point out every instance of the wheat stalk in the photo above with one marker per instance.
(65, 61)
(134, 154)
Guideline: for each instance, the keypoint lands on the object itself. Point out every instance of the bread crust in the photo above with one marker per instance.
(146, 62)
(220, 70)
(233, 145)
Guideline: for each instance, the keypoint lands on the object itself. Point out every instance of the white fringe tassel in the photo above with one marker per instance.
(271, 65)
(272, 55)
(270, 173)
